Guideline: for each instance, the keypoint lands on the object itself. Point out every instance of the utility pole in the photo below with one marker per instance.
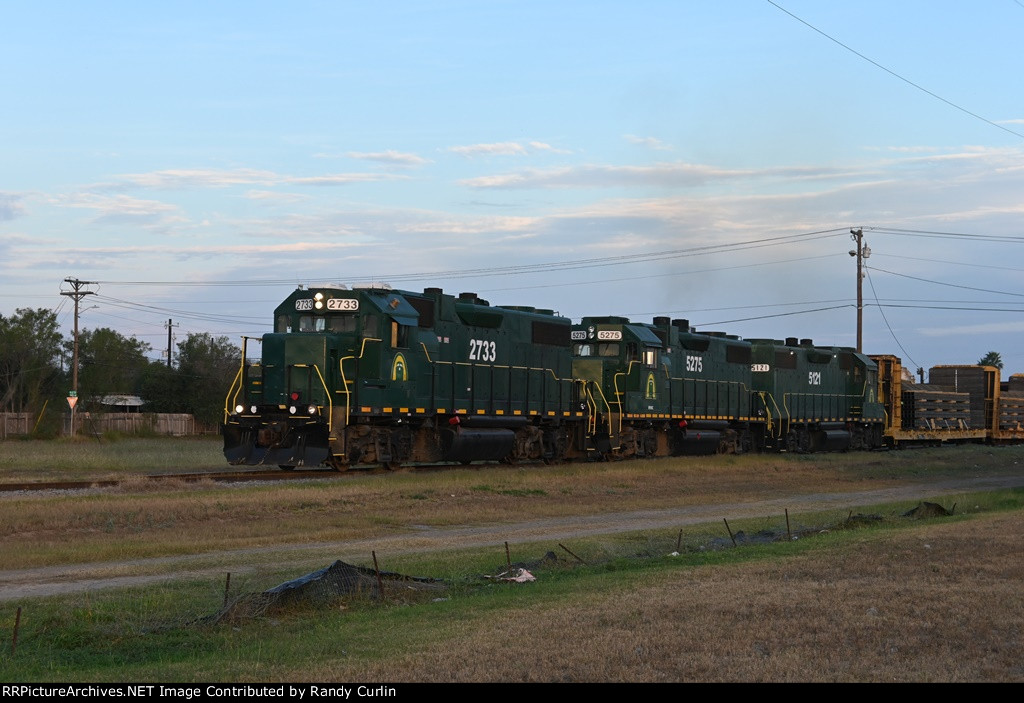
(862, 252)
(169, 341)
(76, 293)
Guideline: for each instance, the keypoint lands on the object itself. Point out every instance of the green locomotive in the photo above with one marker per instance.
(375, 376)
(665, 389)
(814, 398)
(662, 388)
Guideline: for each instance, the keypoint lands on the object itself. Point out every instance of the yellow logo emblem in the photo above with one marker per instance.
(399, 371)
(652, 388)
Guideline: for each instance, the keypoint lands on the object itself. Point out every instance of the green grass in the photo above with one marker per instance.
(83, 458)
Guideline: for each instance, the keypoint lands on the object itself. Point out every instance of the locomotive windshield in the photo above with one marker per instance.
(609, 349)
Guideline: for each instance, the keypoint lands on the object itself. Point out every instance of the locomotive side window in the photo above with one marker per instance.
(283, 324)
(369, 326)
(650, 358)
(399, 336)
(611, 349)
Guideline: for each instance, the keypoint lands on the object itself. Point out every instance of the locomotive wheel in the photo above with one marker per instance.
(792, 442)
(746, 444)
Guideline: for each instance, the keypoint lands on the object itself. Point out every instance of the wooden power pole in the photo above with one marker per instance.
(76, 293)
(861, 252)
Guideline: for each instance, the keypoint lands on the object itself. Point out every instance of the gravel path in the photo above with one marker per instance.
(65, 579)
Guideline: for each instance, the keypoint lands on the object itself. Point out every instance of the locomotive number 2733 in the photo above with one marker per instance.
(482, 350)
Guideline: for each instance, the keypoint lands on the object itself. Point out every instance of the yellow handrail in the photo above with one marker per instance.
(228, 399)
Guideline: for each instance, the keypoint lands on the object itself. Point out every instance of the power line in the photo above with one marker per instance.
(602, 281)
(206, 317)
(886, 320)
(896, 75)
(781, 314)
(951, 285)
(932, 234)
(545, 267)
(951, 263)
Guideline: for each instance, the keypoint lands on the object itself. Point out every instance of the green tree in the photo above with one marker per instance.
(206, 367)
(109, 363)
(30, 370)
(991, 359)
(161, 388)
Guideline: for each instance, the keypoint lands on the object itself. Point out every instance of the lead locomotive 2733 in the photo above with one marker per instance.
(374, 376)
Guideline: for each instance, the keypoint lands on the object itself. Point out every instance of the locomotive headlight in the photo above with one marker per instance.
(239, 409)
(318, 301)
(318, 296)
(253, 409)
(311, 410)
(292, 409)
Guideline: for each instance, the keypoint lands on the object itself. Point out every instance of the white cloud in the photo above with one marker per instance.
(338, 179)
(10, 206)
(649, 142)
(506, 149)
(174, 179)
(597, 176)
(541, 146)
(185, 179)
(987, 328)
(390, 157)
(496, 149)
(117, 205)
(272, 196)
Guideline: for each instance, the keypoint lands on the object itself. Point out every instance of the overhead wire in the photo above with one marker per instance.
(603, 281)
(545, 267)
(885, 319)
(896, 75)
(951, 285)
(781, 314)
(933, 234)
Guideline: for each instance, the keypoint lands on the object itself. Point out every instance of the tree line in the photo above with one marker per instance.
(35, 369)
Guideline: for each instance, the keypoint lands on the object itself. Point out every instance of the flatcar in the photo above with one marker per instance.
(961, 403)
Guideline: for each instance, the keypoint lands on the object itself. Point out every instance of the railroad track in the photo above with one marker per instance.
(217, 476)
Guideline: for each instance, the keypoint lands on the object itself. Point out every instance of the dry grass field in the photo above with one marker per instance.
(130, 569)
(936, 603)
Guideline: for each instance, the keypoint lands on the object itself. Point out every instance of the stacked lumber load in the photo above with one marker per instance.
(1016, 383)
(964, 379)
(931, 407)
(1011, 409)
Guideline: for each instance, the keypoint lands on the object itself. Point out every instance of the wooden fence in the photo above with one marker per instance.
(174, 424)
(14, 424)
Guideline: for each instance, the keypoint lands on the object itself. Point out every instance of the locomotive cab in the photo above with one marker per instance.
(286, 410)
(623, 366)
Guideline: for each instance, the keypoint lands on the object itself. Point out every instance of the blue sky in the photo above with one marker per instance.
(243, 148)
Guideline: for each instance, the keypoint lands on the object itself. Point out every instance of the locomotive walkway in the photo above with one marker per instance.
(77, 578)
